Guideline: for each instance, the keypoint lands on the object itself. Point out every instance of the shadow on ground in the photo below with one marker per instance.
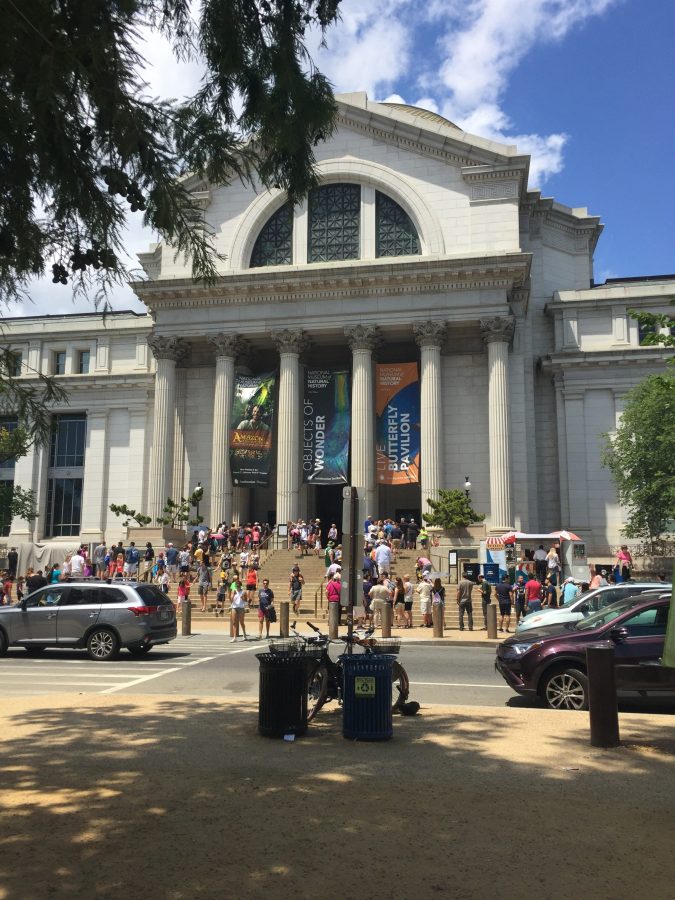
(183, 799)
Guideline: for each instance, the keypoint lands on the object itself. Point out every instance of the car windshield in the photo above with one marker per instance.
(575, 599)
(603, 616)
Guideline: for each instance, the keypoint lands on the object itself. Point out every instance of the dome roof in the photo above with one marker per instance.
(421, 113)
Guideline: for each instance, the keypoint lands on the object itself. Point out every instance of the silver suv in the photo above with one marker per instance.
(94, 614)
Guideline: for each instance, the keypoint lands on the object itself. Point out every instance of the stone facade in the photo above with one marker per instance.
(523, 362)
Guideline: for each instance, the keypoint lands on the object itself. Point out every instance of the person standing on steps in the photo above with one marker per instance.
(464, 591)
(504, 594)
(295, 583)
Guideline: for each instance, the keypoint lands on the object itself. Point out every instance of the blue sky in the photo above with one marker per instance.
(586, 86)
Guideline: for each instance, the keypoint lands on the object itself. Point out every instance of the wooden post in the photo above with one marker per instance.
(333, 619)
(387, 619)
(604, 714)
(186, 618)
(437, 610)
(284, 630)
(492, 620)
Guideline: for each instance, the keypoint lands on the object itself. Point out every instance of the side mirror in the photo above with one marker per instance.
(619, 635)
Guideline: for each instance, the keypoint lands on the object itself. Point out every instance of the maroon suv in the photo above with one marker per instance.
(550, 662)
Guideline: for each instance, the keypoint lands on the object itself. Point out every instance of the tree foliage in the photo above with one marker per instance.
(177, 512)
(641, 457)
(15, 501)
(653, 322)
(130, 515)
(453, 509)
(82, 144)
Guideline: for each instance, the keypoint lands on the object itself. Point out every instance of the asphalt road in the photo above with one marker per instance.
(207, 665)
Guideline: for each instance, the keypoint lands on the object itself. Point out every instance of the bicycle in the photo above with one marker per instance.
(325, 678)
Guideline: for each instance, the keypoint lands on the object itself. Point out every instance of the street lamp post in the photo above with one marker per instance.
(467, 486)
(198, 493)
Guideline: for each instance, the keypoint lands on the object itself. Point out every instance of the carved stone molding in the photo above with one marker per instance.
(288, 341)
(363, 337)
(229, 345)
(167, 347)
(430, 333)
(500, 328)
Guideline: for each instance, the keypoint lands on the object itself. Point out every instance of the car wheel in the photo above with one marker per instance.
(102, 645)
(565, 689)
(3, 643)
(139, 649)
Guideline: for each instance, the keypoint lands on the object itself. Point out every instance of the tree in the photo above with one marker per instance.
(452, 510)
(652, 322)
(82, 144)
(641, 457)
(130, 515)
(177, 513)
(15, 501)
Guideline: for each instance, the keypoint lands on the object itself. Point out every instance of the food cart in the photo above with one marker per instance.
(508, 549)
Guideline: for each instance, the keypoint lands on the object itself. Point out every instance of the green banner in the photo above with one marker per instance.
(251, 422)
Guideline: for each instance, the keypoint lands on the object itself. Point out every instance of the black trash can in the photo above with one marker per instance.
(366, 703)
(282, 703)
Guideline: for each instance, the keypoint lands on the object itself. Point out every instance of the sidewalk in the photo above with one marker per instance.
(138, 797)
(451, 637)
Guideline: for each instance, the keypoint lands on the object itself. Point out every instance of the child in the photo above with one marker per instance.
(20, 588)
(183, 592)
(164, 581)
(221, 591)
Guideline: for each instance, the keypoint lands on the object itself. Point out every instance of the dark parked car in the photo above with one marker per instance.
(550, 663)
(93, 614)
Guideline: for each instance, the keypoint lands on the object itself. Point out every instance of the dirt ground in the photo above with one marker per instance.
(154, 797)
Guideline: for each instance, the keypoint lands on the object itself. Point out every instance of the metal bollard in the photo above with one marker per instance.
(387, 619)
(333, 619)
(437, 610)
(186, 618)
(284, 611)
(603, 709)
(492, 620)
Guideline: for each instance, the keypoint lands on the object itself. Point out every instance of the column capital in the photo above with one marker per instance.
(363, 337)
(430, 333)
(167, 347)
(499, 329)
(290, 341)
(232, 345)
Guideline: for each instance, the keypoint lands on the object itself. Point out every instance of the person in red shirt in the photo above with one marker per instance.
(533, 595)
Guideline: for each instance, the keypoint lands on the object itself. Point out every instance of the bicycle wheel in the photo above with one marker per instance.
(317, 688)
(400, 686)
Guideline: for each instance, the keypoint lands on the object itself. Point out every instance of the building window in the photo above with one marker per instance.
(14, 362)
(395, 233)
(83, 362)
(644, 330)
(69, 436)
(6, 490)
(64, 506)
(59, 362)
(274, 246)
(7, 423)
(333, 227)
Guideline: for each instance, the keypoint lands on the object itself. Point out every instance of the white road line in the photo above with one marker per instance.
(501, 687)
(82, 682)
(129, 684)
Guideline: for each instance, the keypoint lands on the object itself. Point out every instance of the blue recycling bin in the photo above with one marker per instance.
(367, 697)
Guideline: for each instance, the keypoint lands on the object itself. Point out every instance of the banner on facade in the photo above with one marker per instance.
(325, 427)
(251, 422)
(397, 405)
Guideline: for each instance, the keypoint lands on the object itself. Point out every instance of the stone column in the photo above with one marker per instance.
(95, 479)
(226, 346)
(289, 344)
(167, 352)
(363, 339)
(497, 334)
(430, 336)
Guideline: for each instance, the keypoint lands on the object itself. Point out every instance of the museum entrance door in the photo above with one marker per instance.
(328, 508)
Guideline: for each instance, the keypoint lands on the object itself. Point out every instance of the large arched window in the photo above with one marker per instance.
(333, 223)
(395, 233)
(274, 246)
(333, 227)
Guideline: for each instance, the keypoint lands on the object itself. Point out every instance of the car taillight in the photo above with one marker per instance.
(143, 610)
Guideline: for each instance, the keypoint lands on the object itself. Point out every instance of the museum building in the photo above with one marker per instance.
(422, 250)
